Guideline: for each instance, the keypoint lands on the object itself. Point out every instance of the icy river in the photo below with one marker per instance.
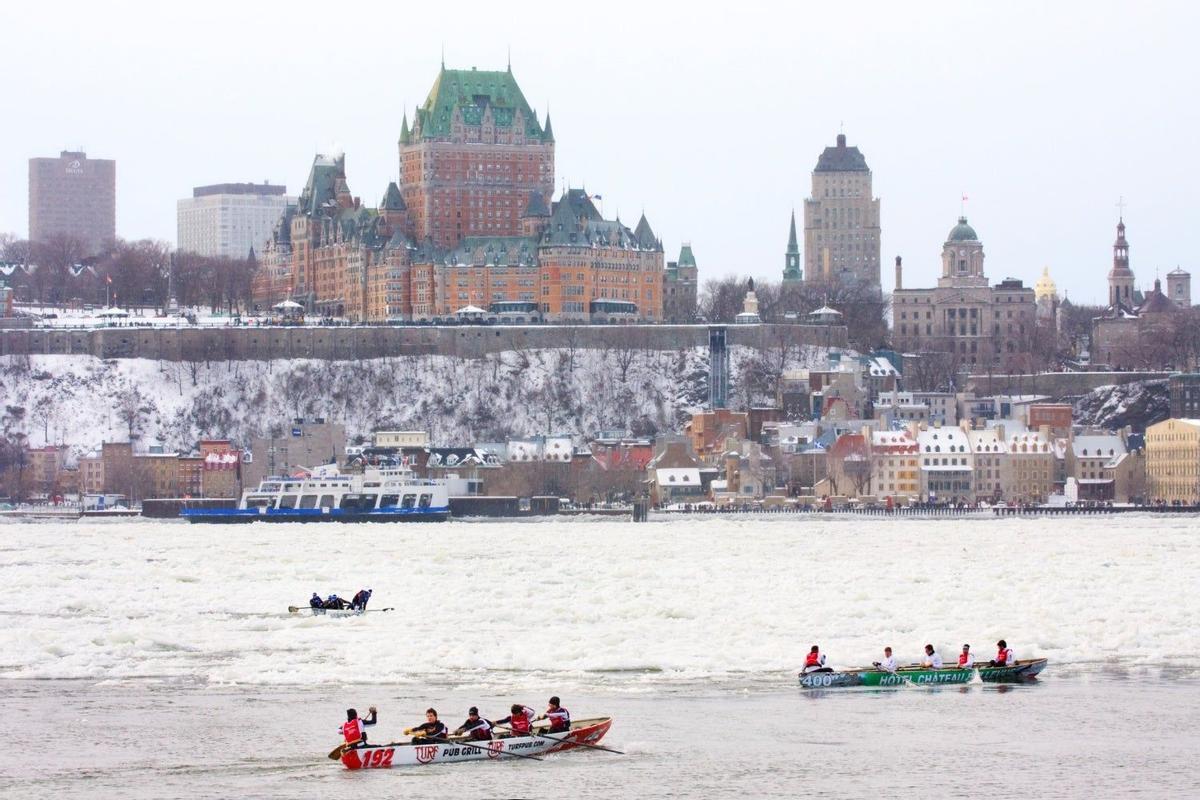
(151, 660)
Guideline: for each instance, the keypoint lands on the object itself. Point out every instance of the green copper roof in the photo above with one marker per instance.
(962, 232)
(471, 92)
(392, 199)
(793, 245)
(686, 259)
(320, 188)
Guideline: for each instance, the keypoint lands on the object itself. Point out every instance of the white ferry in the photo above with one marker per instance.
(377, 494)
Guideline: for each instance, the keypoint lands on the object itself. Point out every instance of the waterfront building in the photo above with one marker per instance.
(76, 196)
(895, 471)
(1031, 456)
(1173, 461)
(228, 220)
(841, 222)
(947, 465)
(977, 325)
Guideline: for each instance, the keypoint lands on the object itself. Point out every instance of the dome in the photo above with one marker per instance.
(1045, 286)
(962, 232)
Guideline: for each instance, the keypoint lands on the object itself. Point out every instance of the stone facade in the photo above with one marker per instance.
(982, 326)
(680, 285)
(841, 221)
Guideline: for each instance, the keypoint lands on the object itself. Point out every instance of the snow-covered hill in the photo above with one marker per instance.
(82, 400)
(1138, 404)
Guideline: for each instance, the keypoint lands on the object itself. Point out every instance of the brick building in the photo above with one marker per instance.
(470, 225)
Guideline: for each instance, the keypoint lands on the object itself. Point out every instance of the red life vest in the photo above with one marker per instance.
(521, 723)
(352, 730)
(962, 659)
(560, 720)
(1004, 656)
(812, 660)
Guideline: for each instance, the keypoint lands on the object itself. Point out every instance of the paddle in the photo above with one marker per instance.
(574, 742)
(337, 752)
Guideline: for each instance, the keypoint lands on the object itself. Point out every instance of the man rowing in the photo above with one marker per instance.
(889, 661)
(315, 601)
(560, 718)
(932, 659)
(431, 731)
(1004, 655)
(519, 720)
(334, 602)
(354, 729)
(476, 728)
(359, 601)
(815, 662)
(965, 659)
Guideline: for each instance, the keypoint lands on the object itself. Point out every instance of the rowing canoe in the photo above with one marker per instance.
(383, 756)
(334, 612)
(872, 677)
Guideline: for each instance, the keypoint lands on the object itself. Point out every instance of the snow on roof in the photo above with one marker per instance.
(678, 476)
(1093, 446)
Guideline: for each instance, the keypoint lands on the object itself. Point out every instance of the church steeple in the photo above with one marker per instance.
(1120, 278)
(791, 259)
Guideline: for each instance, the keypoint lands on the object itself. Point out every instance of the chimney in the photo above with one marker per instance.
(899, 279)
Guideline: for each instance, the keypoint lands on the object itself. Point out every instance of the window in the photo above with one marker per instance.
(308, 501)
(389, 501)
(327, 501)
(425, 500)
(409, 501)
(287, 501)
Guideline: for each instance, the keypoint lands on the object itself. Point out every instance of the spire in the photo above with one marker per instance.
(791, 259)
(793, 246)
(548, 132)
(405, 134)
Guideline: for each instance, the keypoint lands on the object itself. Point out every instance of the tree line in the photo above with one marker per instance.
(142, 273)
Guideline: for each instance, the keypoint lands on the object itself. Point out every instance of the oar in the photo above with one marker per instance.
(478, 747)
(575, 743)
(337, 752)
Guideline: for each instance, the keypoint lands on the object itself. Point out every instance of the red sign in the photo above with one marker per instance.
(426, 752)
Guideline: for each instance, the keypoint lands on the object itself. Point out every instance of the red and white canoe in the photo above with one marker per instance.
(383, 756)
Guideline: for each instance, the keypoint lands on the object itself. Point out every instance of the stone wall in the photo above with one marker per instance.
(359, 342)
(1055, 384)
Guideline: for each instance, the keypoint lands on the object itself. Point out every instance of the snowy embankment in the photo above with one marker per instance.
(82, 400)
(1139, 404)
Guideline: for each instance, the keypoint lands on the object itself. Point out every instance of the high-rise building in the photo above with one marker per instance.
(841, 220)
(226, 220)
(73, 195)
(474, 155)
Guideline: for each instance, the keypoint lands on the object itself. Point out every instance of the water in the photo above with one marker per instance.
(687, 631)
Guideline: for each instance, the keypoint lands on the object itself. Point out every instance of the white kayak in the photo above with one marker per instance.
(511, 748)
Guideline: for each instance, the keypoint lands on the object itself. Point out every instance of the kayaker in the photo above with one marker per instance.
(1004, 655)
(932, 659)
(359, 603)
(354, 729)
(315, 601)
(965, 659)
(889, 661)
(431, 731)
(519, 720)
(476, 728)
(815, 662)
(560, 718)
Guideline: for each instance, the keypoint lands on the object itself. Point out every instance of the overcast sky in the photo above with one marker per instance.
(1044, 114)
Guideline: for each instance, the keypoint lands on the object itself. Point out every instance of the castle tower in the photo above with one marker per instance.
(1120, 277)
(791, 260)
(841, 220)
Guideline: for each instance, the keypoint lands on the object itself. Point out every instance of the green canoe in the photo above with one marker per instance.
(869, 676)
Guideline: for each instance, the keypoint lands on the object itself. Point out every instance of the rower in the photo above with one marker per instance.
(889, 661)
(359, 603)
(932, 659)
(1004, 655)
(476, 728)
(354, 729)
(815, 662)
(519, 720)
(560, 718)
(315, 601)
(965, 659)
(431, 731)
(335, 602)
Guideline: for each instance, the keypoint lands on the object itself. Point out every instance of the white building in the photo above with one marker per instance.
(947, 465)
(226, 220)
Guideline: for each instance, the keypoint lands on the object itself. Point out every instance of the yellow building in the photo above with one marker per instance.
(1173, 461)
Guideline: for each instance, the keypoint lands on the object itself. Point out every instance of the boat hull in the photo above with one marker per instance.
(876, 678)
(385, 756)
(245, 515)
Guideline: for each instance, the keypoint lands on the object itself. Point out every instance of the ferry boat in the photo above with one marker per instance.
(377, 494)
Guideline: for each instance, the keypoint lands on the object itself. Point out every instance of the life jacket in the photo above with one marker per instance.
(352, 730)
(521, 723)
(962, 659)
(812, 660)
(1005, 656)
(481, 730)
(560, 719)
(315, 602)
